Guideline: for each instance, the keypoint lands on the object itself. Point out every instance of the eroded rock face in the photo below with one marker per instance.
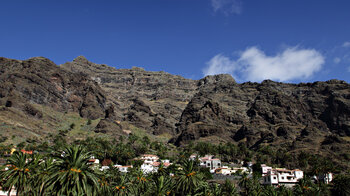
(266, 113)
(150, 100)
(38, 80)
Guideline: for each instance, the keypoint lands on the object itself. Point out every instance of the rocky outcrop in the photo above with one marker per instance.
(267, 113)
(151, 100)
(38, 80)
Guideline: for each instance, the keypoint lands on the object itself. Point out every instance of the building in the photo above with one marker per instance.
(210, 162)
(225, 170)
(93, 161)
(149, 158)
(6, 193)
(151, 163)
(265, 169)
(282, 176)
(123, 169)
(326, 178)
(241, 170)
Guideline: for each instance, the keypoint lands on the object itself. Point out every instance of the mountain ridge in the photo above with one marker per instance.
(305, 116)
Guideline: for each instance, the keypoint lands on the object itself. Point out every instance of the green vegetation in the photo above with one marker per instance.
(50, 173)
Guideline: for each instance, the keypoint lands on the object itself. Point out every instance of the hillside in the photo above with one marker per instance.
(39, 98)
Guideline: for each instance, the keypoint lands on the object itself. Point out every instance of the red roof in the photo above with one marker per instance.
(27, 152)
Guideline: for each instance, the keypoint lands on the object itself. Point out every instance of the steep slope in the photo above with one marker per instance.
(38, 80)
(31, 88)
(313, 117)
(153, 101)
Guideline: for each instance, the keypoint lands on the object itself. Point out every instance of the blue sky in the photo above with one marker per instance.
(289, 40)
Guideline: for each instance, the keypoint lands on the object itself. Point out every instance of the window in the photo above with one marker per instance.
(274, 178)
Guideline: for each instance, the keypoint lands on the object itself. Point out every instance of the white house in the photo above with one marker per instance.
(149, 167)
(282, 176)
(225, 170)
(208, 161)
(6, 193)
(123, 169)
(326, 178)
(149, 158)
(104, 168)
(265, 169)
(241, 169)
(93, 161)
(151, 163)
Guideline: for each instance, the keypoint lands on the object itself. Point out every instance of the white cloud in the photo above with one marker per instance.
(227, 6)
(220, 64)
(346, 44)
(336, 60)
(254, 65)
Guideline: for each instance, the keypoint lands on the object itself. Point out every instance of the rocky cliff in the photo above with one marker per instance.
(38, 80)
(313, 117)
(153, 101)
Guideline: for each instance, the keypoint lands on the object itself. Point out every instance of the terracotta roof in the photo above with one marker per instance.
(166, 164)
(155, 163)
(27, 152)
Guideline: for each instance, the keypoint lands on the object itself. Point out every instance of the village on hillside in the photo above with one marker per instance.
(151, 164)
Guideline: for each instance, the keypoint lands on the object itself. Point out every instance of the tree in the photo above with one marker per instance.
(19, 172)
(43, 169)
(72, 175)
(229, 189)
(161, 185)
(244, 183)
(188, 178)
(341, 185)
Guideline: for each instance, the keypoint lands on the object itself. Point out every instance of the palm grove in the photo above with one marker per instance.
(62, 169)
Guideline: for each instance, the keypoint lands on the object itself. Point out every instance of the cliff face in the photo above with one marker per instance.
(313, 117)
(151, 100)
(39, 81)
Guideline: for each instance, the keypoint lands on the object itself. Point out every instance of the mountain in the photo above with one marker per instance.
(37, 97)
(153, 101)
(81, 99)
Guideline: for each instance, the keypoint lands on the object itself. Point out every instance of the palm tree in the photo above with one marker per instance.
(43, 169)
(229, 188)
(270, 191)
(244, 183)
(341, 185)
(303, 187)
(188, 178)
(161, 185)
(203, 188)
(72, 175)
(122, 186)
(18, 174)
(216, 190)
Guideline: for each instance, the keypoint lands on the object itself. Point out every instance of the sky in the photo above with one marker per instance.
(253, 40)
